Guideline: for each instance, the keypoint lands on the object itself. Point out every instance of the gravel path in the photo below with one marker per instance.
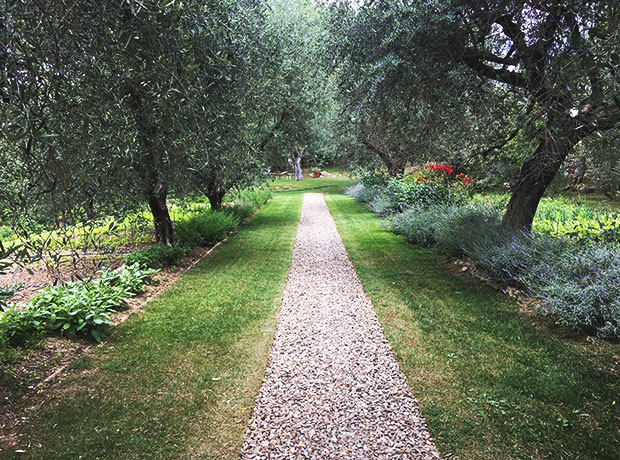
(333, 389)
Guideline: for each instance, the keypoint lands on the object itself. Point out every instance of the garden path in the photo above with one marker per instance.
(333, 388)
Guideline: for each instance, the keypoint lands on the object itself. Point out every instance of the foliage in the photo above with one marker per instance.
(580, 287)
(461, 227)
(417, 224)
(18, 326)
(372, 177)
(129, 280)
(577, 222)
(483, 82)
(257, 197)
(388, 195)
(566, 218)
(247, 201)
(7, 292)
(298, 117)
(206, 228)
(77, 310)
(505, 257)
(362, 193)
(157, 256)
(74, 308)
(5, 232)
(216, 322)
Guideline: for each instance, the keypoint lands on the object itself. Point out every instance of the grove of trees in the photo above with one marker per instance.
(113, 106)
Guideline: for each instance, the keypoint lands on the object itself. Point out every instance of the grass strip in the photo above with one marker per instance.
(491, 380)
(179, 379)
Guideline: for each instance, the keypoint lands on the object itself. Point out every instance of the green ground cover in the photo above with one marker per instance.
(179, 379)
(492, 381)
(572, 216)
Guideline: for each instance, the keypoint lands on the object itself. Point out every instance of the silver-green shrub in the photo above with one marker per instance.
(460, 227)
(362, 193)
(581, 287)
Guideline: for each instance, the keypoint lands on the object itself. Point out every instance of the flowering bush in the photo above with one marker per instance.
(440, 174)
(580, 288)
(580, 283)
(372, 177)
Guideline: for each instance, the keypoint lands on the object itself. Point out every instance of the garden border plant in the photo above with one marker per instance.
(577, 279)
(84, 308)
(73, 309)
(200, 226)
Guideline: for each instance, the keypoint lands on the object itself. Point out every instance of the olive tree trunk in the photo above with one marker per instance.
(215, 199)
(535, 176)
(164, 229)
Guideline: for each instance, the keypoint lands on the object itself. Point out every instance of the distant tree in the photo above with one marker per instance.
(298, 118)
(400, 104)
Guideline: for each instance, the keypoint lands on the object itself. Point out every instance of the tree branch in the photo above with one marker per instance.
(474, 60)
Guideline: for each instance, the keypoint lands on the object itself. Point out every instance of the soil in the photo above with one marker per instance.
(35, 277)
(26, 381)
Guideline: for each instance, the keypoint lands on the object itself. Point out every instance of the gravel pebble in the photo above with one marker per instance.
(333, 388)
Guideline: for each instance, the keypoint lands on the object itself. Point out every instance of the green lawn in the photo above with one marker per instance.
(179, 379)
(491, 381)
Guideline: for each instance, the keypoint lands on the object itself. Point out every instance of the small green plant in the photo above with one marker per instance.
(372, 177)
(129, 280)
(206, 228)
(5, 232)
(157, 256)
(74, 308)
(8, 292)
(19, 326)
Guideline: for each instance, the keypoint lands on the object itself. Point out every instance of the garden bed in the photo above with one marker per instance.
(570, 261)
(25, 381)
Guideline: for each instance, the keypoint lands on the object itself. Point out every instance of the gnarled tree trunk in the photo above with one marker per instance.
(395, 164)
(296, 163)
(164, 229)
(535, 176)
(581, 170)
(298, 173)
(215, 198)
(151, 166)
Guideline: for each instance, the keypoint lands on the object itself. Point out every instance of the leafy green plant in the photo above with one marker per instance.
(372, 177)
(130, 281)
(74, 308)
(8, 292)
(5, 232)
(206, 228)
(246, 202)
(157, 256)
(85, 317)
(257, 197)
(240, 211)
(19, 326)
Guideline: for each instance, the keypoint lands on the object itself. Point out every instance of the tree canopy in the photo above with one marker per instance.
(110, 106)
